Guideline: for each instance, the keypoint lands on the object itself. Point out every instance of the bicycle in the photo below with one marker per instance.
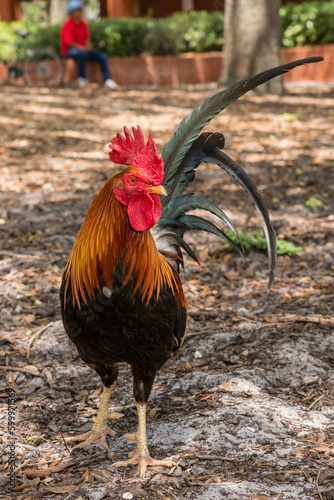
(38, 67)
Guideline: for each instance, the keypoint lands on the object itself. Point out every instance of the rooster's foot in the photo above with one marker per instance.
(100, 430)
(143, 462)
(91, 437)
(141, 454)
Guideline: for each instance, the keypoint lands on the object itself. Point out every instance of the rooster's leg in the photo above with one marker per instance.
(141, 455)
(100, 429)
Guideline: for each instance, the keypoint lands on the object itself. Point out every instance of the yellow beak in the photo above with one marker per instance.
(158, 190)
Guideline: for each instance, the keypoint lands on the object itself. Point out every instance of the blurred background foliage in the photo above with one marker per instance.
(308, 23)
(196, 31)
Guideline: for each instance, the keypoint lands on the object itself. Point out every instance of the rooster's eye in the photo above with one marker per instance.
(132, 180)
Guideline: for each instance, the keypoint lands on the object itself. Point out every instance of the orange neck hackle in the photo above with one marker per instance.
(105, 235)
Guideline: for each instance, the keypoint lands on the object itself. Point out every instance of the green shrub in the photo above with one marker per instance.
(47, 36)
(122, 37)
(314, 202)
(308, 23)
(257, 241)
(201, 31)
(164, 37)
(181, 32)
(34, 12)
(9, 40)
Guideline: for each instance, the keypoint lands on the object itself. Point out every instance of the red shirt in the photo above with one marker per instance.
(73, 33)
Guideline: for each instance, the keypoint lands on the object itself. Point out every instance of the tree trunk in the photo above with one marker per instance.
(117, 8)
(252, 32)
(9, 10)
(58, 11)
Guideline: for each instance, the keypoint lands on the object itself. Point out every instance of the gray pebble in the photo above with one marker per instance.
(6, 316)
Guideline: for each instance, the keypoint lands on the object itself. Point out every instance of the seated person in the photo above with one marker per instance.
(76, 43)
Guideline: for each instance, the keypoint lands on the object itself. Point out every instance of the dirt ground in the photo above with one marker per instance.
(245, 410)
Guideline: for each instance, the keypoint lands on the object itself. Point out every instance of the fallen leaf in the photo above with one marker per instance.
(27, 486)
(321, 449)
(33, 473)
(60, 489)
(263, 497)
(37, 473)
(102, 475)
(153, 413)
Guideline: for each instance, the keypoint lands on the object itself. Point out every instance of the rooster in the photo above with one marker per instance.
(121, 293)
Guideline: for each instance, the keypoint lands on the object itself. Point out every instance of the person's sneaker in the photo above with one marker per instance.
(111, 84)
(82, 82)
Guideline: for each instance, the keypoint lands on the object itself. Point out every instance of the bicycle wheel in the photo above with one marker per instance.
(43, 67)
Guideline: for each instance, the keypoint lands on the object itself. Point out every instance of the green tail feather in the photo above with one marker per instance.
(183, 204)
(192, 124)
(186, 150)
(193, 222)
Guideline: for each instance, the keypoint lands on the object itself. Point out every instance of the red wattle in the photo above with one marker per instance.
(144, 211)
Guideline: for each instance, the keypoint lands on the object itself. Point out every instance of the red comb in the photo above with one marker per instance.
(130, 150)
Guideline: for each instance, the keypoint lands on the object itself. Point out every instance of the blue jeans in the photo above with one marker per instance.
(82, 56)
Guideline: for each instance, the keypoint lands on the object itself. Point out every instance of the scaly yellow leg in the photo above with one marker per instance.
(100, 429)
(141, 455)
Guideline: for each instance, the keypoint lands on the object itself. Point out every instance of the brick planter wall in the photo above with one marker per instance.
(320, 72)
(173, 71)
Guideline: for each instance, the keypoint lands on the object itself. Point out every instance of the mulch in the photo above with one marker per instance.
(246, 407)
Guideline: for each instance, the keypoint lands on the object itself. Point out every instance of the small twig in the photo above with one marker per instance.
(316, 401)
(6, 253)
(149, 480)
(214, 457)
(175, 466)
(156, 491)
(62, 436)
(21, 370)
(21, 466)
(34, 337)
(239, 340)
(312, 318)
(283, 339)
(86, 462)
(201, 332)
(305, 475)
(208, 313)
(317, 485)
(246, 318)
(2, 389)
(168, 491)
(33, 464)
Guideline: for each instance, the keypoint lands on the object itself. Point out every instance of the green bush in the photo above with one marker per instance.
(306, 23)
(163, 37)
(9, 41)
(257, 241)
(181, 32)
(120, 37)
(47, 36)
(200, 31)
